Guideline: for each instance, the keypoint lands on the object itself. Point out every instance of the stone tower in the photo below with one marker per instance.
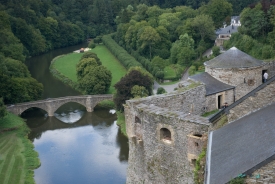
(238, 69)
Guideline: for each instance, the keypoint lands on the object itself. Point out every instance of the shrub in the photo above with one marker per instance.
(92, 45)
(161, 90)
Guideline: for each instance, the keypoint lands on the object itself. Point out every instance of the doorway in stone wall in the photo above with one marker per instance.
(220, 100)
(263, 71)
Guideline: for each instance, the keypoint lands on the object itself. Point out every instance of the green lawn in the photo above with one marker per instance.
(169, 72)
(67, 65)
(17, 157)
(111, 63)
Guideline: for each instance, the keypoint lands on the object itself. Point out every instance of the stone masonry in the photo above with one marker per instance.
(244, 79)
(264, 175)
(164, 139)
(52, 104)
(261, 99)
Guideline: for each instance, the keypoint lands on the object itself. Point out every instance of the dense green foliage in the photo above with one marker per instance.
(177, 36)
(135, 76)
(257, 33)
(112, 64)
(3, 110)
(92, 77)
(161, 90)
(16, 85)
(126, 59)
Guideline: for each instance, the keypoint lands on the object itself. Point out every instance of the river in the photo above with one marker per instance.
(75, 146)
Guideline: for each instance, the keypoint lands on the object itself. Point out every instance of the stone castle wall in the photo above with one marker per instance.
(156, 160)
(261, 99)
(244, 80)
(189, 101)
(263, 175)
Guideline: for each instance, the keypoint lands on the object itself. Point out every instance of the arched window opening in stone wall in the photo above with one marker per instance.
(165, 135)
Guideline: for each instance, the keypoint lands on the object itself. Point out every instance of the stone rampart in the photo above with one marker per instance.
(165, 139)
(155, 158)
(261, 99)
(186, 101)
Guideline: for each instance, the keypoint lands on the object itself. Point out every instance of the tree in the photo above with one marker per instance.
(182, 51)
(84, 66)
(139, 91)
(91, 55)
(216, 50)
(135, 76)
(96, 81)
(3, 111)
(159, 62)
(218, 10)
(254, 22)
(204, 25)
(149, 37)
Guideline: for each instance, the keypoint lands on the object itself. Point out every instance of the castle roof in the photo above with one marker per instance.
(233, 58)
(212, 85)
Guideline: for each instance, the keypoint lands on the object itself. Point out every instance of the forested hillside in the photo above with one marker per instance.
(149, 27)
(256, 35)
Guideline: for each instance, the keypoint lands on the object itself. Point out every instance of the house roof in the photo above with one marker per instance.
(212, 85)
(227, 30)
(233, 58)
(241, 145)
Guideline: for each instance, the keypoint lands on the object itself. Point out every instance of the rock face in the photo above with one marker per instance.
(166, 136)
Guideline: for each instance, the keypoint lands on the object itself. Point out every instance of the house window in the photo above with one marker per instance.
(165, 135)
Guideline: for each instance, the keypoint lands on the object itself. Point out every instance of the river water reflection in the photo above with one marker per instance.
(75, 146)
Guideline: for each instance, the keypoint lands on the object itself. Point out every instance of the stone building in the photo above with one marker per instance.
(166, 135)
(167, 132)
(230, 76)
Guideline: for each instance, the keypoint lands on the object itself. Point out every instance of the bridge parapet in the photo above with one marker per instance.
(52, 104)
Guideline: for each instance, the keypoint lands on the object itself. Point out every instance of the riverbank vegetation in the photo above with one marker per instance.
(17, 156)
(111, 63)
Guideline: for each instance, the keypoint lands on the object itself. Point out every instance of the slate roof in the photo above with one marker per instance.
(233, 58)
(241, 145)
(232, 29)
(212, 85)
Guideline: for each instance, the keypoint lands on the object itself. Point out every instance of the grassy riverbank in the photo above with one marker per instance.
(17, 156)
(64, 67)
(111, 63)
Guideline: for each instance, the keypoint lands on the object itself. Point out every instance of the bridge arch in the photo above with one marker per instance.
(26, 108)
(51, 105)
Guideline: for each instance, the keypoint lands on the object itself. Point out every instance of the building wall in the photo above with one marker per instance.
(188, 101)
(212, 100)
(265, 175)
(244, 80)
(261, 99)
(154, 160)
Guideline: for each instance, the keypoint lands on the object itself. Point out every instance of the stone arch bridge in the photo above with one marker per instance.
(50, 105)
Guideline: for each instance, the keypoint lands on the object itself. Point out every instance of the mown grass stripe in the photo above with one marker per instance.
(6, 166)
(9, 140)
(16, 172)
(9, 169)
